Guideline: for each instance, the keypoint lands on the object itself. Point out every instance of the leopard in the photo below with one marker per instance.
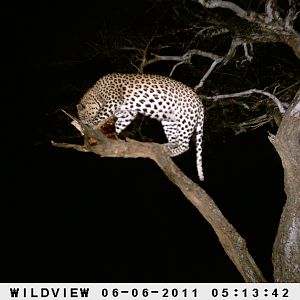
(175, 105)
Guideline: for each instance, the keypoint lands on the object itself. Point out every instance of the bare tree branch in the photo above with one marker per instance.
(250, 16)
(175, 66)
(247, 55)
(210, 55)
(211, 31)
(272, 27)
(186, 59)
(291, 15)
(249, 92)
(232, 50)
(253, 123)
(200, 84)
(233, 244)
(272, 10)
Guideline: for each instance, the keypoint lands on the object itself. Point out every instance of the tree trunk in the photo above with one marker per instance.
(286, 249)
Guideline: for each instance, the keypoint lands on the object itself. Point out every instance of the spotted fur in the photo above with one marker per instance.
(125, 95)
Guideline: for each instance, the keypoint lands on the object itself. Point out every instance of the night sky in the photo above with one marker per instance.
(76, 217)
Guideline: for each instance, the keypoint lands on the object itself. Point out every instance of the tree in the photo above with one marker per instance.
(247, 27)
(286, 253)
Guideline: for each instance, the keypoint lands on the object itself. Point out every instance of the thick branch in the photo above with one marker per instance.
(233, 244)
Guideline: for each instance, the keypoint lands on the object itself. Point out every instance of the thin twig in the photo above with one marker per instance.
(200, 84)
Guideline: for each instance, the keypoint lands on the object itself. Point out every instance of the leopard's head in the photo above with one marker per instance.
(88, 108)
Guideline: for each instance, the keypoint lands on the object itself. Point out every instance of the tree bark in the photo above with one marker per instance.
(286, 249)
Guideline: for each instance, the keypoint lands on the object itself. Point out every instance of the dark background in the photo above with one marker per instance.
(75, 217)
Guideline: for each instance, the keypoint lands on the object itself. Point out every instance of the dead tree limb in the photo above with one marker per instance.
(233, 244)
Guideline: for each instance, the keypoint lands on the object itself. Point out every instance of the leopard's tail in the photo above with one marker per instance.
(199, 135)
